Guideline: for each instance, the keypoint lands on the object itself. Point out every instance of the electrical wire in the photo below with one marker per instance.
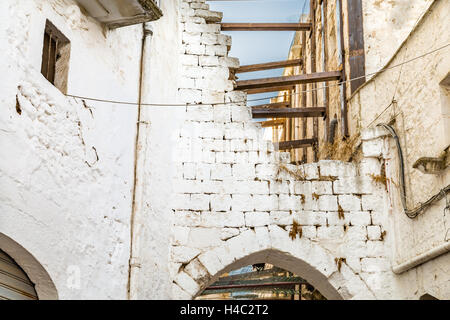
(259, 99)
(411, 213)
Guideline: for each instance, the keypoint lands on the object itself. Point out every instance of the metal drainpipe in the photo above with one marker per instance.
(137, 187)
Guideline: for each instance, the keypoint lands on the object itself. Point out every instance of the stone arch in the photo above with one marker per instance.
(44, 286)
(304, 257)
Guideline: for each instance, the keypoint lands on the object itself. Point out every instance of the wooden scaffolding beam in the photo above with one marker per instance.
(272, 123)
(266, 26)
(287, 80)
(287, 112)
(269, 65)
(283, 104)
(295, 144)
(270, 89)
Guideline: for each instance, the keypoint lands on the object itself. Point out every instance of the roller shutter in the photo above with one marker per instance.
(14, 283)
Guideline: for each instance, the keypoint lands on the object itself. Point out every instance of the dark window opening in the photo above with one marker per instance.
(55, 57)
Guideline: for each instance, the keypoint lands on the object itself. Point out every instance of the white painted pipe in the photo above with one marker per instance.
(424, 257)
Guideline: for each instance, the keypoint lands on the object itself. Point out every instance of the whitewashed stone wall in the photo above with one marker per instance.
(66, 167)
(237, 197)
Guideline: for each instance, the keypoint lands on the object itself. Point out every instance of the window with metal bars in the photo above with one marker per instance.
(55, 57)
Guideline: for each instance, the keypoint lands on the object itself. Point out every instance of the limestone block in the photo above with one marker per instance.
(190, 38)
(289, 202)
(209, 39)
(222, 113)
(376, 249)
(356, 233)
(310, 218)
(333, 219)
(372, 148)
(199, 113)
(236, 97)
(184, 254)
(277, 187)
(242, 202)
(190, 95)
(227, 233)
(196, 270)
(243, 171)
(235, 219)
(225, 157)
(375, 264)
(328, 203)
(322, 187)
(311, 171)
(354, 264)
(303, 187)
(350, 202)
(309, 232)
(221, 171)
(333, 168)
(187, 283)
(196, 49)
(368, 166)
(181, 201)
(229, 62)
(208, 61)
(220, 202)
(359, 218)
(265, 202)
(210, 261)
(257, 219)
(240, 114)
(266, 171)
(180, 236)
(204, 237)
(189, 170)
(238, 145)
(372, 202)
(216, 50)
(331, 232)
(374, 232)
(188, 218)
(199, 202)
(208, 15)
(187, 83)
(281, 218)
(355, 185)
(211, 130)
(202, 28)
(179, 294)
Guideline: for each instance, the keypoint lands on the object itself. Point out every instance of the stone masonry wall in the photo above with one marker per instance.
(237, 197)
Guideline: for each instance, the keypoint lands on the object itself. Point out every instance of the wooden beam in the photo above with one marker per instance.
(287, 112)
(264, 90)
(283, 104)
(295, 144)
(287, 80)
(269, 65)
(272, 123)
(266, 26)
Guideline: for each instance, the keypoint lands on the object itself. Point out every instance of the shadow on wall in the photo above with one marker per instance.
(44, 286)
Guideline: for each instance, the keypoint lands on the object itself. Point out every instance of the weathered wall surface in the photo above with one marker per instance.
(237, 199)
(420, 117)
(66, 168)
(386, 26)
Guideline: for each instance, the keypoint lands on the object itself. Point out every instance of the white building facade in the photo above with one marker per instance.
(160, 181)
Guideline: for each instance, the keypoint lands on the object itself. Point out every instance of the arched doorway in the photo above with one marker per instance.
(261, 281)
(14, 282)
(26, 269)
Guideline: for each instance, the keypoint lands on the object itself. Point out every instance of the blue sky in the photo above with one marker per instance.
(260, 46)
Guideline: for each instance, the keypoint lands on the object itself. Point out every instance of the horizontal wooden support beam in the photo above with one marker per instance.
(272, 123)
(283, 104)
(295, 144)
(287, 112)
(271, 89)
(288, 80)
(266, 26)
(269, 65)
